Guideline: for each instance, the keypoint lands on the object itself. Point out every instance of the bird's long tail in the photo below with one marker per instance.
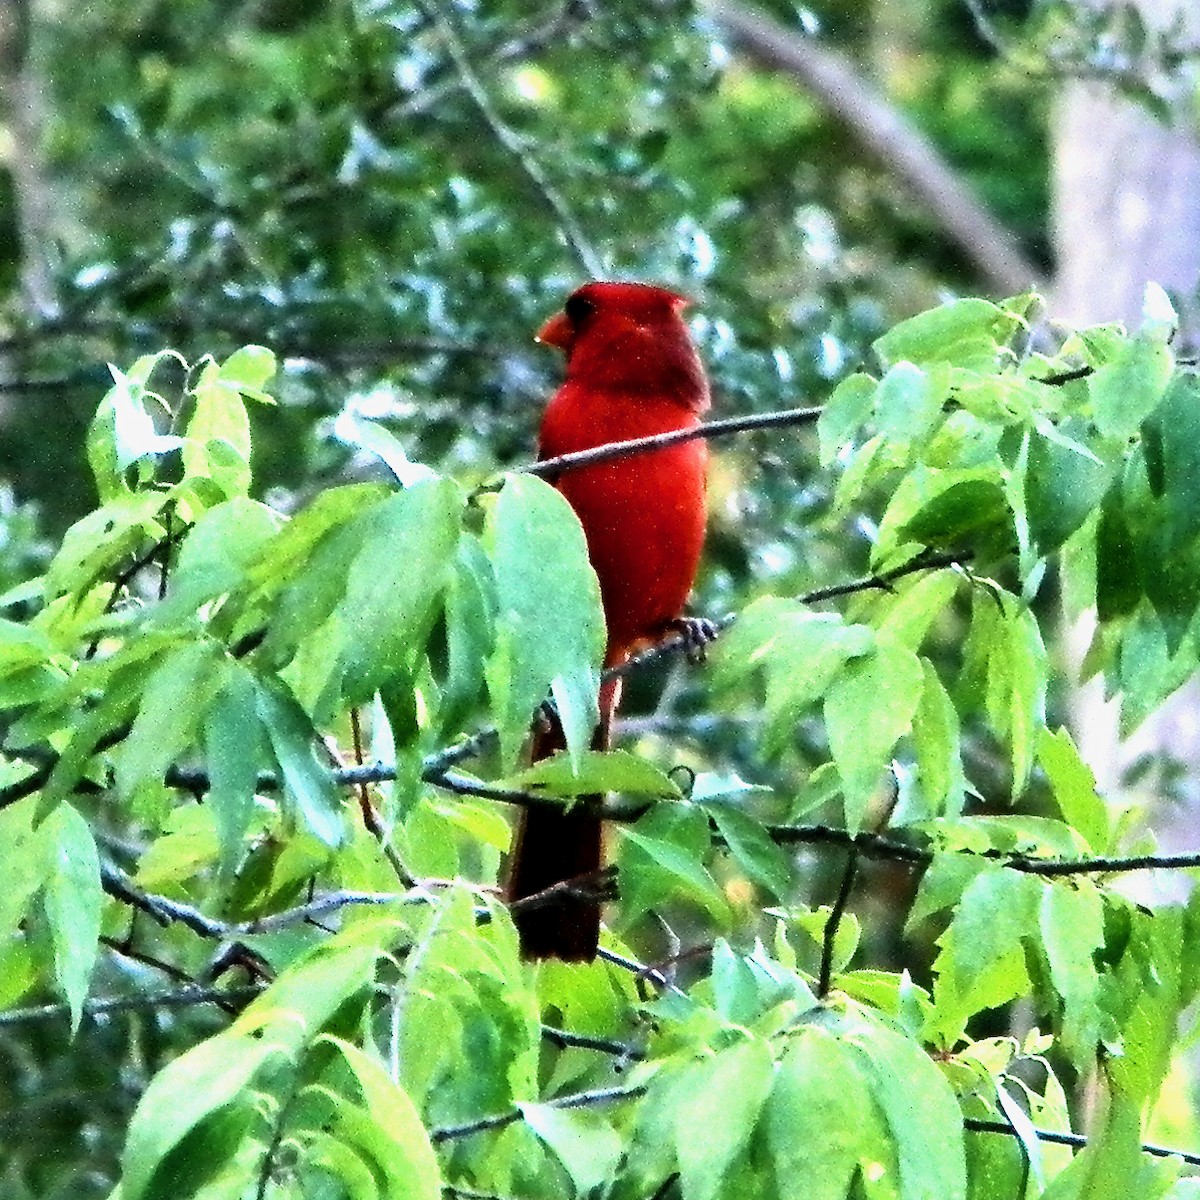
(555, 847)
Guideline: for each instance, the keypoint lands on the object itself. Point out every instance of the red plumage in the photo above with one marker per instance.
(632, 370)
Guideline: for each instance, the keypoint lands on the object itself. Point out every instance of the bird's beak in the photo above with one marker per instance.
(557, 331)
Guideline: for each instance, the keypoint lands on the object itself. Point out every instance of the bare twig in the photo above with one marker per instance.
(595, 885)
(569, 17)
(874, 845)
(166, 911)
(576, 1100)
(551, 468)
(553, 199)
(982, 1125)
(564, 1038)
(833, 923)
(185, 997)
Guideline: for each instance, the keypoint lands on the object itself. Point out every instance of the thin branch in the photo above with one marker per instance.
(599, 886)
(166, 911)
(570, 16)
(1076, 1140)
(564, 1038)
(576, 1100)
(639, 970)
(184, 997)
(874, 845)
(551, 468)
(570, 229)
(834, 921)
(927, 560)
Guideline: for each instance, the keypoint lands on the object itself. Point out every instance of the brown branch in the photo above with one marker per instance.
(551, 468)
(564, 1038)
(184, 997)
(167, 912)
(595, 886)
(834, 921)
(884, 131)
(1078, 1141)
(575, 1100)
(874, 845)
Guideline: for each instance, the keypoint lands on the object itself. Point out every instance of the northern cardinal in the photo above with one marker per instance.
(632, 370)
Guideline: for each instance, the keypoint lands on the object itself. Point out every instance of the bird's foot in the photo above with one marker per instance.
(697, 633)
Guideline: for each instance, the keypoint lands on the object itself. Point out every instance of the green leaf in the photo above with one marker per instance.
(751, 846)
(1063, 486)
(800, 652)
(393, 1135)
(209, 1077)
(309, 563)
(982, 960)
(470, 1013)
(908, 403)
(549, 624)
(234, 751)
(1074, 788)
(722, 1098)
(957, 510)
(587, 1145)
(966, 333)
(307, 780)
(921, 1111)
(73, 901)
(102, 539)
(248, 370)
(1171, 439)
(470, 631)
(366, 435)
(219, 420)
(294, 545)
(938, 743)
(395, 585)
(124, 415)
(1071, 919)
(1017, 691)
(347, 1166)
(822, 1126)
(593, 773)
(868, 708)
(918, 604)
(942, 885)
(662, 858)
(844, 414)
(1118, 588)
(748, 987)
(217, 555)
(1125, 390)
(172, 706)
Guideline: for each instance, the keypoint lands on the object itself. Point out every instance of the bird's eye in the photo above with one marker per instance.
(578, 308)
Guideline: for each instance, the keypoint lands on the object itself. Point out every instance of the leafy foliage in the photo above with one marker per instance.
(186, 639)
(260, 746)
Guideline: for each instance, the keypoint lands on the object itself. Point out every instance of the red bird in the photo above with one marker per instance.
(632, 370)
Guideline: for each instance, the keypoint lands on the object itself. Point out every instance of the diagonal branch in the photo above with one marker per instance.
(551, 468)
(576, 1100)
(553, 199)
(902, 148)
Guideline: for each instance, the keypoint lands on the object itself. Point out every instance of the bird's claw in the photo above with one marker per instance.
(696, 633)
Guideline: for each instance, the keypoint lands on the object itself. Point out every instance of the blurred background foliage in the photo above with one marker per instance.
(383, 191)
